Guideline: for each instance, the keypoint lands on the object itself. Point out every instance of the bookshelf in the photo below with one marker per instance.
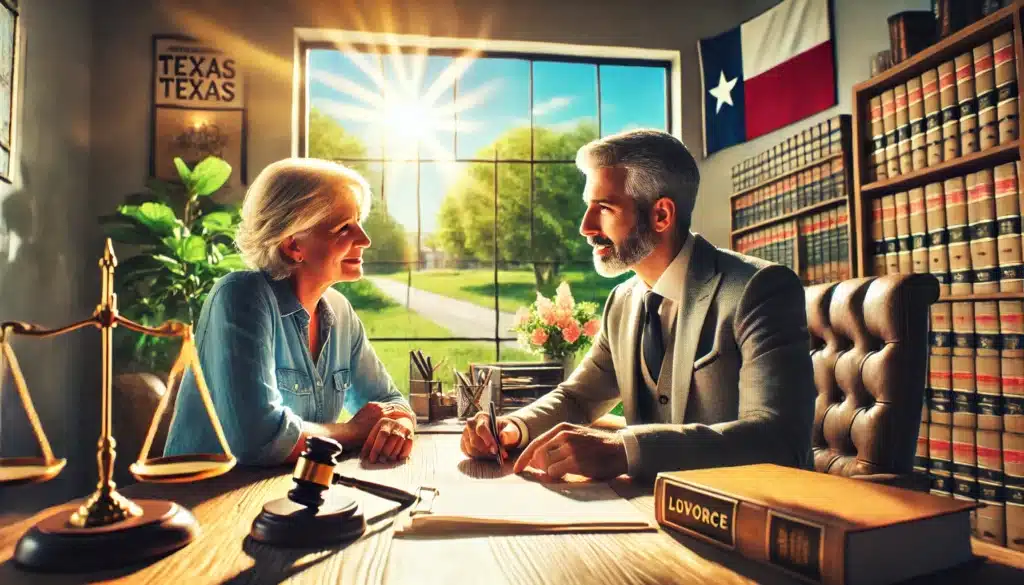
(937, 188)
(793, 204)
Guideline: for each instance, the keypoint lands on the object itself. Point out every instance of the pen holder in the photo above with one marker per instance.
(468, 399)
(420, 392)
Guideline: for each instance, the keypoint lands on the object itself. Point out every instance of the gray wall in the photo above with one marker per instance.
(47, 243)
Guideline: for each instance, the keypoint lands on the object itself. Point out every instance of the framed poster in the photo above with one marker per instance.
(198, 107)
(9, 24)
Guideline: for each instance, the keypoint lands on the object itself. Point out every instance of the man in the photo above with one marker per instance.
(707, 349)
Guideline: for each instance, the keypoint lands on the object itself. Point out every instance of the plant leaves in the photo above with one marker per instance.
(126, 229)
(159, 218)
(172, 264)
(232, 262)
(183, 172)
(218, 222)
(193, 249)
(210, 175)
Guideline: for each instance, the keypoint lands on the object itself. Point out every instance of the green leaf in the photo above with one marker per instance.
(218, 222)
(183, 171)
(193, 249)
(172, 264)
(159, 218)
(232, 262)
(127, 230)
(210, 175)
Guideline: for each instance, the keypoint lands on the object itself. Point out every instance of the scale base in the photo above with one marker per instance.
(52, 545)
(284, 523)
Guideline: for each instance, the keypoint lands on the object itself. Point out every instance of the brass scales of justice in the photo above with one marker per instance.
(108, 530)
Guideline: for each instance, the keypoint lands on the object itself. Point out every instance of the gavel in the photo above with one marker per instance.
(305, 518)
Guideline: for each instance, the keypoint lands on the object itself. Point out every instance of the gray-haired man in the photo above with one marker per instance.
(706, 349)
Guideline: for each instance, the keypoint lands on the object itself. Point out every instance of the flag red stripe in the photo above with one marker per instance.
(791, 91)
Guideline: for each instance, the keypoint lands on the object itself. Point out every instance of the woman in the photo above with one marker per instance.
(282, 351)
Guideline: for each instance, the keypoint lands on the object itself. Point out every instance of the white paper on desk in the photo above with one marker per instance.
(503, 506)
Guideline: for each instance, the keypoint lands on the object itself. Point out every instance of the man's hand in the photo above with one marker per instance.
(568, 448)
(477, 441)
(389, 440)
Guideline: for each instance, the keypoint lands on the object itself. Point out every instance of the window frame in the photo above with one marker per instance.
(312, 39)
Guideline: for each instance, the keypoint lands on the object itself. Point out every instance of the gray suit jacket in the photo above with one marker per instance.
(742, 385)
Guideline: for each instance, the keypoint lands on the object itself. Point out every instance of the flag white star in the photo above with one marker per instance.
(723, 93)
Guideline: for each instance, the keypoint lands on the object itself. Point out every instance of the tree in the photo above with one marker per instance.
(328, 140)
(467, 219)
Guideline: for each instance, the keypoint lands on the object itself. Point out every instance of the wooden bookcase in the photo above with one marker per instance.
(738, 232)
(949, 405)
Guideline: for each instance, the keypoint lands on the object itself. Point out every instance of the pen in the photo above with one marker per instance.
(494, 433)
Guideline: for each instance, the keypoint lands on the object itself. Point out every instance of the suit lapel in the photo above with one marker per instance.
(702, 280)
(632, 324)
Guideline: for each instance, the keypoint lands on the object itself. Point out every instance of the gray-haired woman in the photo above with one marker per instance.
(282, 351)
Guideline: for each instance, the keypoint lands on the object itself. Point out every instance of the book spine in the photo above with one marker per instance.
(844, 243)
(991, 523)
(1008, 226)
(981, 218)
(967, 101)
(938, 252)
(808, 549)
(985, 89)
(1005, 66)
(878, 170)
(892, 263)
(964, 391)
(806, 249)
(1013, 477)
(940, 365)
(965, 469)
(940, 453)
(932, 118)
(950, 111)
(918, 231)
(988, 341)
(915, 114)
(892, 159)
(903, 256)
(902, 129)
(956, 229)
(921, 452)
(1011, 329)
(878, 238)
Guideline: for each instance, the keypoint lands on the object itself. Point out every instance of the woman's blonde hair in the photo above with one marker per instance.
(289, 197)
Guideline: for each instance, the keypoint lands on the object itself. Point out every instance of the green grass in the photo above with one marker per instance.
(517, 288)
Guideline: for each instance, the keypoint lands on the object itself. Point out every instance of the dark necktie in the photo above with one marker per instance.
(653, 345)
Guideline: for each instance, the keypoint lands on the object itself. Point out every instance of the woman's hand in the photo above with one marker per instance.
(389, 440)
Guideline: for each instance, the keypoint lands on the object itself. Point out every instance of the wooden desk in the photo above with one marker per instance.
(226, 506)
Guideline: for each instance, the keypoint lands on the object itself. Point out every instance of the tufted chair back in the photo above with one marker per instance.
(869, 347)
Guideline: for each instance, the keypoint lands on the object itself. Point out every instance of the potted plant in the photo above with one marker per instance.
(175, 241)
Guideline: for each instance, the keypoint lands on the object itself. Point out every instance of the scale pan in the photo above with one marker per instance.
(19, 470)
(182, 468)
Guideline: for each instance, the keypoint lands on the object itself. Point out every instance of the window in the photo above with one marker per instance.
(478, 199)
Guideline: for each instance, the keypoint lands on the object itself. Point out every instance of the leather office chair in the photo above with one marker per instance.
(869, 348)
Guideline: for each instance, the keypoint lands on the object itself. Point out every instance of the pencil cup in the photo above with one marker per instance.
(468, 399)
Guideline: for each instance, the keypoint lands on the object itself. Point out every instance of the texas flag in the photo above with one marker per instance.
(768, 72)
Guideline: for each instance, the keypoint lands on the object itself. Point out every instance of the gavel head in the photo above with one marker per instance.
(314, 471)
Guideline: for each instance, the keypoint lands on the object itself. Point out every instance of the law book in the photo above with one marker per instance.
(1008, 228)
(1011, 329)
(818, 251)
(967, 102)
(932, 117)
(950, 109)
(903, 256)
(915, 114)
(918, 231)
(1005, 77)
(843, 223)
(987, 380)
(940, 454)
(892, 263)
(985, 90)
(878, 238)
(1013, 477)
(892, 159)
(832, 229)
(964, 389)
(921, 451)
(817, 186)
(878, 171)
(940, 364)
(838, 179)
(981, 219)
(807, 250)
(965, 469)
(938, 250)
(991, 522)
(902, 128)
(816, 526)
(955, 194)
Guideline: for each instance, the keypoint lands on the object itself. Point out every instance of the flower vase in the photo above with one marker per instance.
(567, 362)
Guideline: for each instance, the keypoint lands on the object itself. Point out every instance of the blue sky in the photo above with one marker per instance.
(489, 98)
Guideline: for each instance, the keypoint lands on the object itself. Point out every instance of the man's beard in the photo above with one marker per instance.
(638, 245)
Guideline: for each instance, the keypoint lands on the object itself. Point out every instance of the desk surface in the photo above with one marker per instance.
(226, 506)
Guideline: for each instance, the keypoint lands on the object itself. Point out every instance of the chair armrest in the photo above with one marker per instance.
(917, 482)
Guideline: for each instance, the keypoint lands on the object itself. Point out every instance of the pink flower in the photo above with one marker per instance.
(563, 317)
(522, 316)
(590, 328)
(548, 314)
(571, 332)
(564, 298)
(538, 337)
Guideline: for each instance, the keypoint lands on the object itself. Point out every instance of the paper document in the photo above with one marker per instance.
(503, 506)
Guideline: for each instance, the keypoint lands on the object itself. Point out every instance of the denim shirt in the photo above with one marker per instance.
(252, 342)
